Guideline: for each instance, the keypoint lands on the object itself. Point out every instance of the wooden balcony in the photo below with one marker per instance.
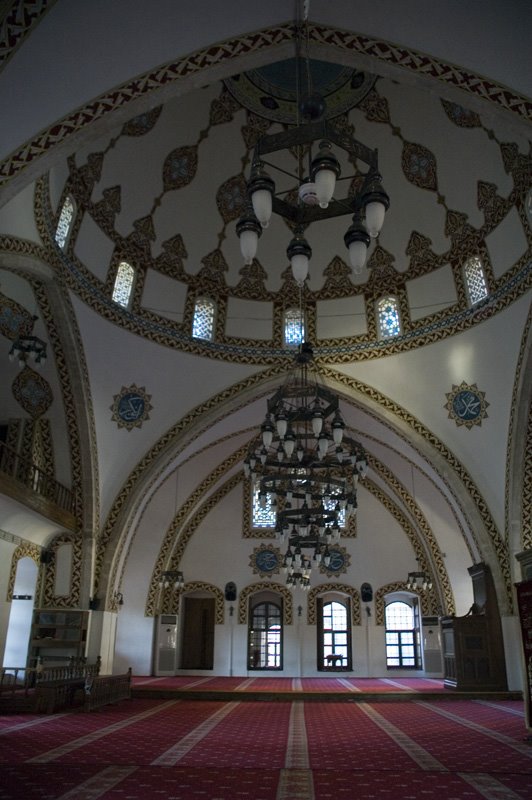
(28, 484)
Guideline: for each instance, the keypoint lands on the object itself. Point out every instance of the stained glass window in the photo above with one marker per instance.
(294, 327)
(388, 320)
(65, 222)
(475, 280)
(263, 512)
(125, 278)
(203, 322)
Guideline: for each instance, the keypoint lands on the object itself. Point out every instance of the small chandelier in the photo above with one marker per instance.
(316, 183)
(305, 465)
(418, 580)
(25, 347)
(172, 578)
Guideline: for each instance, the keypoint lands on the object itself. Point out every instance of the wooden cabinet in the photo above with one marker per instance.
(57, 635)
(473, 652)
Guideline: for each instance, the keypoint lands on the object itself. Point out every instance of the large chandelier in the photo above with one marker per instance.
(304, 465)
(25, 347)
(309, 194)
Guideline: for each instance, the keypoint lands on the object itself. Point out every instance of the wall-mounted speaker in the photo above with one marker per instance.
(47, 556)
(230, 592)
(366, 593)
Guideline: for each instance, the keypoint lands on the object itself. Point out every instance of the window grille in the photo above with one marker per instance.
(263, 512)
(294, 327)
(125, 278)
(475, 280)
(203, 322)
(64, 223)
(388, 320)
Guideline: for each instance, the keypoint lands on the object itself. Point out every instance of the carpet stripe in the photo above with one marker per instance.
(488, 786)
(295, 784)
(517, 711)
(197, 683)
(30, 723)
(98, 734)
(297, 746)
(99, 784)
(350, 686)
(417, 753)
(522, 748)
(244, 685)
(397, 684)
(174, 754)
(297, 686)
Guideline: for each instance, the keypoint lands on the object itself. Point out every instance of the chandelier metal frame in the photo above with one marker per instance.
(306, 466)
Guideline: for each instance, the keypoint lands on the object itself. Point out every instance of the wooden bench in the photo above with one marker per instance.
(102, 690)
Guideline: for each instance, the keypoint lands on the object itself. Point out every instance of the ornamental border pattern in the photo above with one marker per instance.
(18, 23)
(526, 488)
(30, 550)
(171, 602)
(215, 54)
(276, 588)
(398, 586)
(71, 600)
(449, 322)
(323, 588)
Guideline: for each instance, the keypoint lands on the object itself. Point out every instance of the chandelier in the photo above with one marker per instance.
(418, 579)
(305, 465)
(309, 194)
(25, 347)
(172, 578)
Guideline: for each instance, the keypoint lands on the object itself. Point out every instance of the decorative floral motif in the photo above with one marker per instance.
(419, 166)
(466, 405)
(32, 392)
(131, 407)
(15, 321)
(180, 167)
(265, 560)
(231, 198)
(142, 124)
(462, 117)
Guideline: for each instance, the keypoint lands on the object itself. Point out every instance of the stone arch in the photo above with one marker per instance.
(24, 550)
(399, 586)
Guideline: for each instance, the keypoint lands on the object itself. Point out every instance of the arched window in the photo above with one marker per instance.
(294, 327)
(402, 635)
(475, 280)
(265, 634)
(263, 511)
(388, 321)
(334, 634)
(204, 318)
(123, 288)
(64, 223)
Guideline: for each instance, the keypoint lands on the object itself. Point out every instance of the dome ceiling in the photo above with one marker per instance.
(165, 190)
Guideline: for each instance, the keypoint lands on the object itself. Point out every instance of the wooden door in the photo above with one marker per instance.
(198, 633)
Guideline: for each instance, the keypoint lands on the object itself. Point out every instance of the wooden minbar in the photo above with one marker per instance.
(473, 652)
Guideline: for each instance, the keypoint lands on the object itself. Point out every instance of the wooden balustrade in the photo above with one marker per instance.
(25, 472)
(103, 690)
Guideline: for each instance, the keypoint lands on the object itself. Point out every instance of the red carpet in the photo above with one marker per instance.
(264, 750)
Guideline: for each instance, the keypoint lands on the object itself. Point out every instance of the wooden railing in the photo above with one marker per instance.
(33, 477)
(21, 681)
(105, 689)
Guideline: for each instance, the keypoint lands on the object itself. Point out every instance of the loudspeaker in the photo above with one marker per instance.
(94, 603)
(47, 556)
(366, 593)
(230, 592)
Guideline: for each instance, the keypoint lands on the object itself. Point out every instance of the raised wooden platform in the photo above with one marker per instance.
(306, 689)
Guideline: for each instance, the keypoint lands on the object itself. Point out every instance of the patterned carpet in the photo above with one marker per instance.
(296, 750)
